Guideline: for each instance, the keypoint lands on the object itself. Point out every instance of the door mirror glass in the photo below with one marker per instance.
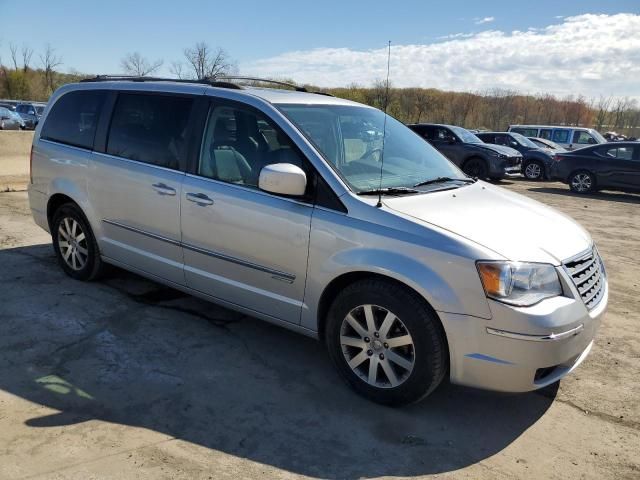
(283, 179)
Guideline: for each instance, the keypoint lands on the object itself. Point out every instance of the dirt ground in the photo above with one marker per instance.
(14, 159)
(124, 378)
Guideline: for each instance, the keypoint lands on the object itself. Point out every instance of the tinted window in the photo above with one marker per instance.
(150, 128)
(545, 133)
(527, 132)
(73, 118)
(583, 138)
(561, 136)
(239, 142)
(623, 153)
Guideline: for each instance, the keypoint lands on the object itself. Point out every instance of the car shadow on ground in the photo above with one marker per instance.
(610, 196)
(130, 351)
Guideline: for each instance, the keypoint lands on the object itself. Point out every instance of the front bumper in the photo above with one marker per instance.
(509, 167)
(521, 349)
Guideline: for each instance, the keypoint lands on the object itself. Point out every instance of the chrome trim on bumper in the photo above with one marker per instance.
(552, 337)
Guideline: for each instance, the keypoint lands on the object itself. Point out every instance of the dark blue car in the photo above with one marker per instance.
(536, 161)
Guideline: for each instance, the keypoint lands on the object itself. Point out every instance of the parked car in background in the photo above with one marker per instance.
(548, 144)
(467, 151)
(614, 166)
(536, 161)
(567, 137)
(275, 203)
(31, 113)
(8, 120)
(8, 106)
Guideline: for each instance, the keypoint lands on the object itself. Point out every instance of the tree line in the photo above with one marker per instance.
(30, 76)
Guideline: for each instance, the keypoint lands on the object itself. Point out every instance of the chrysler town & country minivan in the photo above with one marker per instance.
(313, 213)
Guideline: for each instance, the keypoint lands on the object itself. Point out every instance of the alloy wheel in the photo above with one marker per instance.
(377, 346)
(533, 171)
(581, 182)
(72, 242)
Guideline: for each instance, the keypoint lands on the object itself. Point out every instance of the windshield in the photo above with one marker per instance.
(524, 141)
(599, 138)
(350, 138)
(465, 135)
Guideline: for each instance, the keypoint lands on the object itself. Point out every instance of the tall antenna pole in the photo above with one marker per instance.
(384, 125)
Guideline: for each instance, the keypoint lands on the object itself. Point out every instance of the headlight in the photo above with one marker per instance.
(521, 284)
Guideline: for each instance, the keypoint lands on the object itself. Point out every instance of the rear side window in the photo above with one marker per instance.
(527, 132)
(73, 118)
(150, 128)
(561, 136)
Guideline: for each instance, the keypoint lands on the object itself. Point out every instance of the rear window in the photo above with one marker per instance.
(73, 118)
(150, 128)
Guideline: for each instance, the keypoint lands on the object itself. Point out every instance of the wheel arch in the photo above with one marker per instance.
(344, 280)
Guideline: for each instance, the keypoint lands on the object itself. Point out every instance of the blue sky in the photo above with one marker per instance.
(94, 36)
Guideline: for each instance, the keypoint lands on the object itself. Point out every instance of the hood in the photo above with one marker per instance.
(508, 151)
(512, 225)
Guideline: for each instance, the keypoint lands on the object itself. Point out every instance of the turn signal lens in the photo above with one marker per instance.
(495, 278)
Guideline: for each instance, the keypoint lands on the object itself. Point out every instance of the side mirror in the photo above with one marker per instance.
(451, 140)
(283, 179)
(513, 144)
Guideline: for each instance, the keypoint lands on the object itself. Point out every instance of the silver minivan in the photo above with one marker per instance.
(569, 138)
(323, 216)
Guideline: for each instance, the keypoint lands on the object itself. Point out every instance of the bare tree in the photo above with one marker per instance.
(135, 64)
(26, 57)
(177, 69)
(14, 55)
(207, 62)
(49, 61)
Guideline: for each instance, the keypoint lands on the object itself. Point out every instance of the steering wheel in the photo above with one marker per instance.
(370, 153)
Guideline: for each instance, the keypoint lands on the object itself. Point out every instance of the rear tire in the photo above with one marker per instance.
(476, 167)
(533, 170)
(74, 244)
(582, 181)
(386, 342)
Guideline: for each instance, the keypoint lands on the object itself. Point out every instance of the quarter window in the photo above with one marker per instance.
(150, 128)
(239, 142)
(74, 117)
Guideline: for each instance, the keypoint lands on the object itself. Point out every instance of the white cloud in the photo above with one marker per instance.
(480, 21)
(586, 54)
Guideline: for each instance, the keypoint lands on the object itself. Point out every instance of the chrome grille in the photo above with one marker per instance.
(588, 276)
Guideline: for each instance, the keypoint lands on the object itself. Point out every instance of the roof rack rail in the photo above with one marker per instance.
(264, 80)
(133, 78)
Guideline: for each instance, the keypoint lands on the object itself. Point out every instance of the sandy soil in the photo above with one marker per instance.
(124, 378)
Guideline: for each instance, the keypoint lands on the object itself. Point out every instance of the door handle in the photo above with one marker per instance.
(163, 189)
(199, 198)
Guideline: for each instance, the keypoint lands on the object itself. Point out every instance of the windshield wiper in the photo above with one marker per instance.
(443, 180)
(389, 191)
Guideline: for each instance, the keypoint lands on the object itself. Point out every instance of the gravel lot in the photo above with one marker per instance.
(128, 379)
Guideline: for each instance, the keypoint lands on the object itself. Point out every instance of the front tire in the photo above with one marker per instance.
(582, 181)
(74, 244)
(476, 167)
(533, 170)
(386, 342)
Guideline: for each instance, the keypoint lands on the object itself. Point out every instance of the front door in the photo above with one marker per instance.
(241, 244)
(620, 166)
